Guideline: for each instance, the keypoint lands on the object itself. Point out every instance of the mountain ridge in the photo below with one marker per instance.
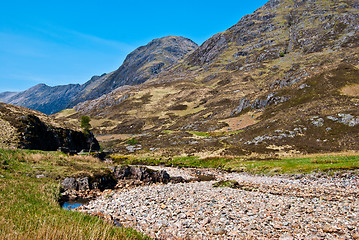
(139, 66)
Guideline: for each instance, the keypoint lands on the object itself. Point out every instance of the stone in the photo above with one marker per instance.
(243, 104)
(330, 229)
(318, 122)
(218, 231)
(69, 183)
(83, 183)
(141, 173)
(286, 237)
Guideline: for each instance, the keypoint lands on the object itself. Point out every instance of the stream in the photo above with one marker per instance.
(70, 205)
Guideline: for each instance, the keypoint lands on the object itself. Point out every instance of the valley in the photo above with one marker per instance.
(254, 134)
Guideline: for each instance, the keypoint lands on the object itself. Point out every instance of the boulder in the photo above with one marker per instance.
(69, 183)
(37, 135)
(83, 183)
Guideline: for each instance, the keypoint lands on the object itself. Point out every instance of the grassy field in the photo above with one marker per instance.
(303, 164)
(28, 203)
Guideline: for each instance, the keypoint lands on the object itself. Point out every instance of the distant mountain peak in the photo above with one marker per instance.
(139, 66)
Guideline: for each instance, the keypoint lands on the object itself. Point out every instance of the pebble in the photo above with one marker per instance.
(264, 207)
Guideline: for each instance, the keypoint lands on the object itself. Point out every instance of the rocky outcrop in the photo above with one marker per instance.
(141, 173)
(30, 129)
(258, 103)
(101, 182)
(35, 134)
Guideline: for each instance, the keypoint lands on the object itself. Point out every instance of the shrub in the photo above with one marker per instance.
(131, 141)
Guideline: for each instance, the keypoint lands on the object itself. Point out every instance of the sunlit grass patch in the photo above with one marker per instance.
(257, 166)
(299, 165)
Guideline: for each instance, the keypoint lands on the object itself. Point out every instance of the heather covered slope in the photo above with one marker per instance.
(281, 79)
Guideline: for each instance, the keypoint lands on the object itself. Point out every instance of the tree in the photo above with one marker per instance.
(85, 124)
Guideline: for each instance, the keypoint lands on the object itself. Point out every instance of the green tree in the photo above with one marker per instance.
(85, 124)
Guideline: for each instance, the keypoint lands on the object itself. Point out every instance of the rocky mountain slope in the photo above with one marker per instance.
(24, 128)
(283, 79)
(139, 66)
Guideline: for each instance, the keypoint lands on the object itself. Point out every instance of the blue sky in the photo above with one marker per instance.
(62, 42)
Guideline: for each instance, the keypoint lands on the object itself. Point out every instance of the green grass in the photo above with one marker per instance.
(228, 183)
(132, 141)
(29, 206)
(205, 134)
(271, 166)
(192, 161)
(168, 131)
(200, 134)
(299, 165)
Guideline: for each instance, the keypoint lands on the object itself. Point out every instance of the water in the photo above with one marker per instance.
(74, 204)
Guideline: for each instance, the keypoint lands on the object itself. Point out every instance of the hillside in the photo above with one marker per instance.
(139, 66)
(283, 79)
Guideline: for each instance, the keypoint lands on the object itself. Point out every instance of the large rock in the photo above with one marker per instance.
(35, 134)
(29, 129)
(141, 173)
(102, 182)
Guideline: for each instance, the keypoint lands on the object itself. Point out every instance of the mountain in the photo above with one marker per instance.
(139, 66)
(5, 96)
(25, 128)
(283, 79)
(44, 98)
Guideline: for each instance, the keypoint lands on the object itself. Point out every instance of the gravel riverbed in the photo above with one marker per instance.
(263, 207)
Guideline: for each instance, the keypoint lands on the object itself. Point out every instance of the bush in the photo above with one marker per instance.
(131, 141)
